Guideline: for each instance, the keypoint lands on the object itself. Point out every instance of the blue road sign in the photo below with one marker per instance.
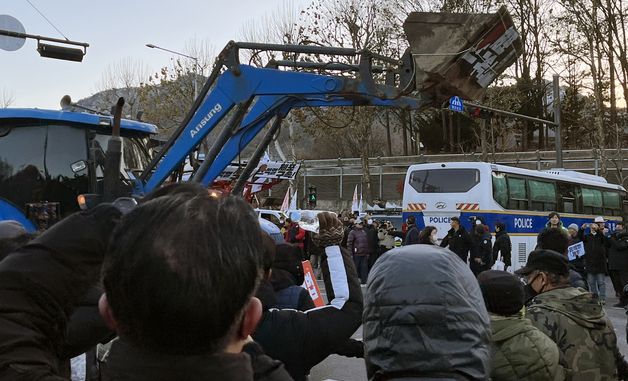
(455, 104)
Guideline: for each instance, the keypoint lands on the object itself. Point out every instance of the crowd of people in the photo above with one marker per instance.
(187, 287)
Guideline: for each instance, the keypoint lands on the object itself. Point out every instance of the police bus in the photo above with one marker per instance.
(519, 198)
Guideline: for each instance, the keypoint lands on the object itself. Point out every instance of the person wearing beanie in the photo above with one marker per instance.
(520, 351)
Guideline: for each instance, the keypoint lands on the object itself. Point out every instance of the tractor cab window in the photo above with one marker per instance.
(36, 164)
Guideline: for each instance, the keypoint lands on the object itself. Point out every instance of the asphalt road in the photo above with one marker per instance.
(350, 369)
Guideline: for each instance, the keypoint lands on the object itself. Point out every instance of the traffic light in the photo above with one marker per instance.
(311, 197)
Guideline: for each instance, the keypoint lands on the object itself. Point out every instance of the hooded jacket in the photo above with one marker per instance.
(577, 323)
(428, 320)
(520, 351)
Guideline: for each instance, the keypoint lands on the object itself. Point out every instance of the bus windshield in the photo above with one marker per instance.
(444, 180)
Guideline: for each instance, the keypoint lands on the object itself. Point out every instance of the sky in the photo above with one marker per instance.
(115, 30)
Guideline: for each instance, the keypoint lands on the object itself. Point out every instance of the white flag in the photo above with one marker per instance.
(293, 201)
(286, 201)
(354, 204)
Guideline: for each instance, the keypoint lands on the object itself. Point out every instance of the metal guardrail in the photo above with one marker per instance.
(382, 167)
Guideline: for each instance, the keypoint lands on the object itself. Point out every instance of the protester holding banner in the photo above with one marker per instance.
(618, 263)
(576, 247)
(303, 339)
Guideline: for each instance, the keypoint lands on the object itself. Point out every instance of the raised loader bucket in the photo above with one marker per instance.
(460, 53)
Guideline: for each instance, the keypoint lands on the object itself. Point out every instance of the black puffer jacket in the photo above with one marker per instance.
(427, 320)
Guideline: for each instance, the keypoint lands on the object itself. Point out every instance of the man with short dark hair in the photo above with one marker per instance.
(179, 279)
(571, 317)
(458, 240)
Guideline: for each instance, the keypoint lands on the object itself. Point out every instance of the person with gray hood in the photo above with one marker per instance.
(424, 318)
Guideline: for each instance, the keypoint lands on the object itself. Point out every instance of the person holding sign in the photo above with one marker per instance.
(576, 263)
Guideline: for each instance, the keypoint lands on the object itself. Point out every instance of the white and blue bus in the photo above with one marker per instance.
(519, 198)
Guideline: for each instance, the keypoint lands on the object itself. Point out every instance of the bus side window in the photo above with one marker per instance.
(612, 203)
(542, 195)
(517, 194)
(500, 189)
(592, 201)
(567, 197)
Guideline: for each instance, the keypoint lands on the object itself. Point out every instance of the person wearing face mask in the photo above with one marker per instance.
(573, 318)
(428, 236)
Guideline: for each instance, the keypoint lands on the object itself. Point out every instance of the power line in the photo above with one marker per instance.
(45, 18)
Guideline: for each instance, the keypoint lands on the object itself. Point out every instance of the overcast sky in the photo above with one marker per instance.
(115, 30)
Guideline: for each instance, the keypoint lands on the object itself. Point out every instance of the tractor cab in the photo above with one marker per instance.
(48, 158)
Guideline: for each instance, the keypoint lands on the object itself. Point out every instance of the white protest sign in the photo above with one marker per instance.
(574, 251)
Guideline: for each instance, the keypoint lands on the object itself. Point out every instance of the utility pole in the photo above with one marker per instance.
(557, 136)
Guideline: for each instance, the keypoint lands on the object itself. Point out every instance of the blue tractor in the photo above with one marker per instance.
(49, 158)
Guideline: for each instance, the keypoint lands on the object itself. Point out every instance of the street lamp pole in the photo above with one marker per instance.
(196, 65)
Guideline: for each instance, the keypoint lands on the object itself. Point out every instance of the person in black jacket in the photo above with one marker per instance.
(502, 245)
(595, 257)
(287, 277)
(458, 240)
(303, 339)
(412, 232)
(618, 263)
(424, 318)
(481, 251)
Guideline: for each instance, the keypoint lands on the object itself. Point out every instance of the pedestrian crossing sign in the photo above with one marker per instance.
(455, 104)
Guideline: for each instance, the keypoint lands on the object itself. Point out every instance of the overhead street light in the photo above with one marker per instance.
(57, 51)
(196, 65)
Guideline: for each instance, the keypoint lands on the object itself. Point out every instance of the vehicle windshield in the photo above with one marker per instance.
(444, 180)
(135, 155)
(35, 164)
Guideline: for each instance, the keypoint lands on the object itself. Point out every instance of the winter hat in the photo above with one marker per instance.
(573, 226)
(11, 229)
(599, 219)
(502, 292)
(548, 261)
(288, 258)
